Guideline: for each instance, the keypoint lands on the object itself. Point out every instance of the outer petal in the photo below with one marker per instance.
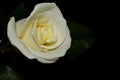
(47, 60)
(15, 40)
(39, 8)
(19, 25)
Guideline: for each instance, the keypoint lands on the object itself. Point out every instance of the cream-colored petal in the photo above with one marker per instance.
(39, 8)
(15, 40)
(28, 39)
(19, 25)
(42, 60)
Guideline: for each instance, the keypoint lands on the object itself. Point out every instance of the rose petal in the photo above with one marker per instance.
(19, 25)
(47, 60)
(15, 40)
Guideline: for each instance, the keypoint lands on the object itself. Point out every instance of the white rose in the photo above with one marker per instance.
(44, 35)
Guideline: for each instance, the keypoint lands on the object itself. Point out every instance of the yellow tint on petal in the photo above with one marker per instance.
(44, 33)
(19, 25)
(39, 33)
(27, 38)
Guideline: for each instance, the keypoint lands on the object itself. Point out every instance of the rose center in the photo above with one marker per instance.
(45, 33)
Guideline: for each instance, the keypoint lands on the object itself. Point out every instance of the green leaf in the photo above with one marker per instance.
(4, 46)
(6, 73)
(82, 39)
(20, 12)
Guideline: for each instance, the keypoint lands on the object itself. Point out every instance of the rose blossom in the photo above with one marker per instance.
(43, 35)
